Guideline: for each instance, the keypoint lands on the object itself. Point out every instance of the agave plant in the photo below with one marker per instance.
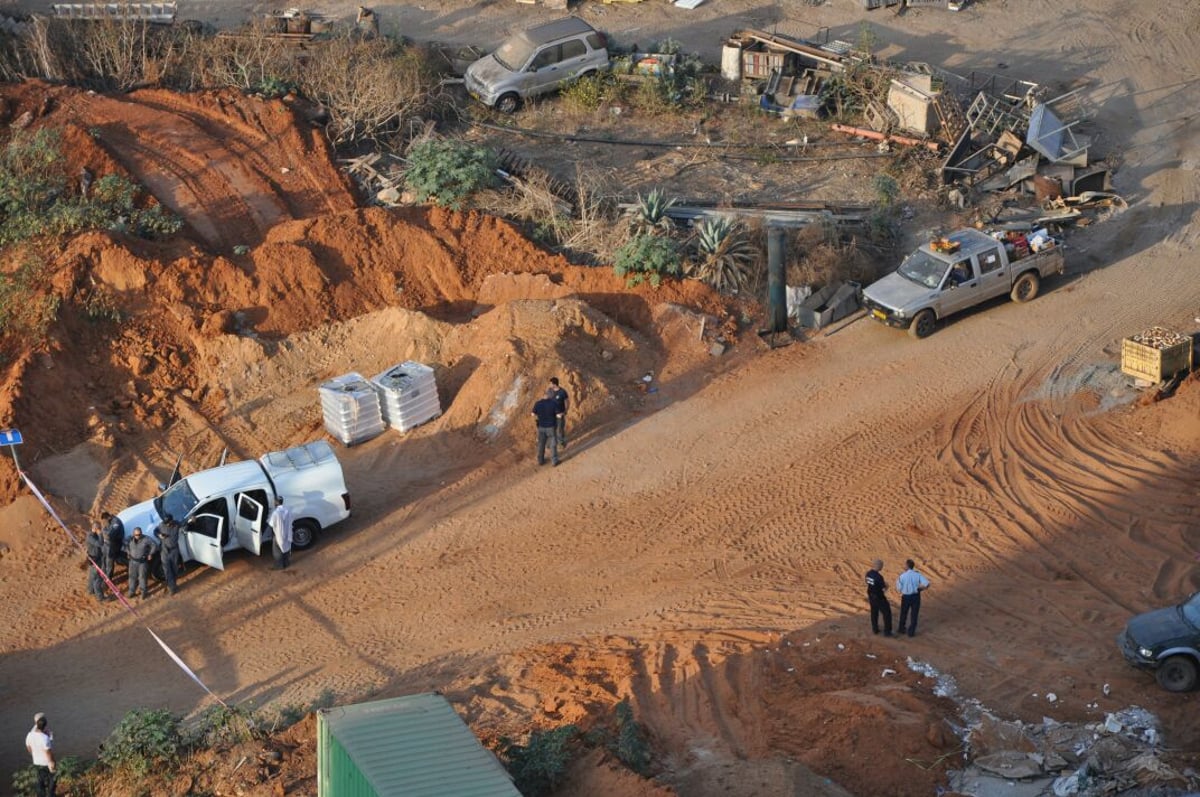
(723, 255)
(650, 215)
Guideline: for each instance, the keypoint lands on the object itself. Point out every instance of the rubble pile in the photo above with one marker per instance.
(1121, 755)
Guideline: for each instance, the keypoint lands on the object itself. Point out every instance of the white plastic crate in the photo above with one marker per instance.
(408, 395)
(350, 409)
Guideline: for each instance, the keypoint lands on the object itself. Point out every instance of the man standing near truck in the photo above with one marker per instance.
(97, 550)
(139, 549)
(114, 531)
(168, 541)
(281, 527)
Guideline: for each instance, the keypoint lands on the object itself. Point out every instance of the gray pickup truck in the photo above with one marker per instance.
(959, 271)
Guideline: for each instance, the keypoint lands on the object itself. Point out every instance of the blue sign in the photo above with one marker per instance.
(11, 437)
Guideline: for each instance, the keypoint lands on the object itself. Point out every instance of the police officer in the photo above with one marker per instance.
(139, 549)
(97, 551)
(114, 530)
(877, 598)
(168, 542)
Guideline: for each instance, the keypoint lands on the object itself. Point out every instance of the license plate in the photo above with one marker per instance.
(882, 316)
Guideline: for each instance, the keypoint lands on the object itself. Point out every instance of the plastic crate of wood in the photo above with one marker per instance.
(1156, 354)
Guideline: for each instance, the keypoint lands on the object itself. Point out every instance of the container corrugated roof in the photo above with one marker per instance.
(417, 746)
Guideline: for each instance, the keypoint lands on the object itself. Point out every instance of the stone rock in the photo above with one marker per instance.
(1009, 764)
(992, 736)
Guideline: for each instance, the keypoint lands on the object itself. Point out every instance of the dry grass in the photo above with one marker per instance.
(589, 229)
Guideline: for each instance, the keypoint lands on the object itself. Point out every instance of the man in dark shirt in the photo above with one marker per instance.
(168, 541)
(114, 531)
(876, 587)
(546, 413)
(561, 398)
(97, 550)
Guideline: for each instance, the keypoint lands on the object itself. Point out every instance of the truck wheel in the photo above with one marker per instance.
(1177, 674)
(922, 325)
(304, 533)
(508, 103)
(1025, 289)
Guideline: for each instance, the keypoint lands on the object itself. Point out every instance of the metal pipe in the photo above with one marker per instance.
(776, 279)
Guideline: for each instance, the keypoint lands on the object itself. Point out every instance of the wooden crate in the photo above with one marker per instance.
(1156, 361)
(760, 64)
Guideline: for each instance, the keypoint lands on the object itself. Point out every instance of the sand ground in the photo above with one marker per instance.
(1006, 454)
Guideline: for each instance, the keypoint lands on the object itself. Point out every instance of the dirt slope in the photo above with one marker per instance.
(691, 528)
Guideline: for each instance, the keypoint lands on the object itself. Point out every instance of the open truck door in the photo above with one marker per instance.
(248, 523)
(202, 536)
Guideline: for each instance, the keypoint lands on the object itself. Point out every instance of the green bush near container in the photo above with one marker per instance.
(540, 766)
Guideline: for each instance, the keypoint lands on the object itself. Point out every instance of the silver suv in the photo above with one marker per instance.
(537, 61)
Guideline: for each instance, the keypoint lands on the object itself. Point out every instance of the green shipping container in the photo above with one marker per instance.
(415, 746)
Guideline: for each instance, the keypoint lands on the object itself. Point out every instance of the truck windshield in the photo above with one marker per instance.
(513, 54)
(923, 269)
(177, 501)
(1191, 610)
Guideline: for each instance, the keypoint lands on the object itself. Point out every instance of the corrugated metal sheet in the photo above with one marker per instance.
(415, 746)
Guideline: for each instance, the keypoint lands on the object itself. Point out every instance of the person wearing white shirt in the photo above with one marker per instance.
(40, 744)
(281, 526)
(910, 585)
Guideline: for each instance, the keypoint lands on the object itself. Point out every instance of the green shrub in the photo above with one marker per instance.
(650, 213)
(631, 746)
(647, 257)
(145, 738)
(69, 772)
(590, 91)
(221, 726)
(448, 172)
(38, 197)
(537, 768)
(100, 305)
(27, 308)
(723, 256)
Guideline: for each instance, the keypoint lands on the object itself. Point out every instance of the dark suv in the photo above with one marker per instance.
(1166, 641)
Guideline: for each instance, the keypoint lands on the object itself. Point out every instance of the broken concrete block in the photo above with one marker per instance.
(1009, 764)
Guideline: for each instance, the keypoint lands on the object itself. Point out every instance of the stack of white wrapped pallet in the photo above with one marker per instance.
(350, 407)
(408, 395)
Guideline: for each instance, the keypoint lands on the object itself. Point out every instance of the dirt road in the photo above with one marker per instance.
(1004, 454)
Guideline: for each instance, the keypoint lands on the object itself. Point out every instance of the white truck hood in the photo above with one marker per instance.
(142, 515)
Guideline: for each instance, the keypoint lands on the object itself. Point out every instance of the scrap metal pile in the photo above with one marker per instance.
(1018, 146)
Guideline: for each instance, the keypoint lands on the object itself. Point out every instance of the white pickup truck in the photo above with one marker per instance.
(964, 269)
(226, 508)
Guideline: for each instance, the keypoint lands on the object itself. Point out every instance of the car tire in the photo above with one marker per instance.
(508, 103)
(1025, 289)
(922, 324)
(304, 533)
(1178, 674)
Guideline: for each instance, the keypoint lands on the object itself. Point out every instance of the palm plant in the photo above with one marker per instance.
(723, 255)
(650, 214)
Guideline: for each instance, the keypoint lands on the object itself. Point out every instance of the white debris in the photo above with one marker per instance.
(1107, 690)
(841, 646)
(887, 671)
(1112, 724)
(1053, 698)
